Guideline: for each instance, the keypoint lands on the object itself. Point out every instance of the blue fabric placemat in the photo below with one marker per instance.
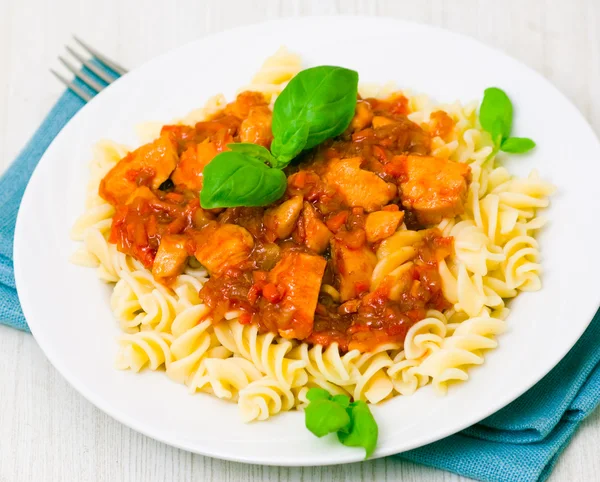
(520, 443)
(12, 187)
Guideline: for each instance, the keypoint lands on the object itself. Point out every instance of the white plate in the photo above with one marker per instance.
(68, 308)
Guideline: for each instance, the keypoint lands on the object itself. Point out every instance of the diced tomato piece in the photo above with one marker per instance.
(335, 222)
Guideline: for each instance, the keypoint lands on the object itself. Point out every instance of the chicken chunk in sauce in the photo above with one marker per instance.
(358, 187)
(431, 187)
(219, 247)
(150, 165)
(296, 280)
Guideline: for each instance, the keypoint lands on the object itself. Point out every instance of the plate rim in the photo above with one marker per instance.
(353, 456)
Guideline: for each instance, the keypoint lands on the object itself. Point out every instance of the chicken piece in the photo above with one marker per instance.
(194, 159)
(171, 256)
(382, 224)
(298, 276)
(149, 165)
(316, 233)
(256, 128)
(142, 192)
(180, 133)
(433, 188)
(353, 268)
(362, 117)
(358, 187)
(244, 102)
(222, 246)
(281, 220)
(220, 130)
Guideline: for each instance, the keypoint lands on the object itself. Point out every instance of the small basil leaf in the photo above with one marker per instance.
(497, 132)
(343, 400)
(232, 179)
(254, 150)
(325, 416)
(517, 145)
(291, 143)
(321, 100)
(315, 394)
(363, 431)
(495, 113)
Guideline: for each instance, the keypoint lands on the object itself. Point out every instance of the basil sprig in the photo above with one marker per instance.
(353, 422)
(496, 115)
(234, 179)
(254, 150)
(317, 104)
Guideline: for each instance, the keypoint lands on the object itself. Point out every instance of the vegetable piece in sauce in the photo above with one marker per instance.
(362, 116)
(171, 256)
(281, 220)
(316, 233)
(353, 267)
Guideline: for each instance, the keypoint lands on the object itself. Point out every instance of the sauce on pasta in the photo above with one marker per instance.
(347, 255)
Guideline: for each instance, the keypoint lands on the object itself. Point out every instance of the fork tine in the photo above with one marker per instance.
(84, 95)
(81, 75)
(102, 58)
(99, 72)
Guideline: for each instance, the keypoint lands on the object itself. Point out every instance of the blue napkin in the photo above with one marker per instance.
(519, 443)
(12, 187)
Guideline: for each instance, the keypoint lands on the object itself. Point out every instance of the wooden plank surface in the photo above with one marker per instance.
(48, 432)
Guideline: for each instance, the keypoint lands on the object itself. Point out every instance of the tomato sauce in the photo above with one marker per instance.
(271, 262)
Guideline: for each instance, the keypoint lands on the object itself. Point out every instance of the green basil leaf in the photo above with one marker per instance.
(316, 105)
(291, 145)
(325, 416)
(495, 113)
(254, 150)
(343, 400)
(517, 145)
(363, 431)
(315, 394)
(233, 179)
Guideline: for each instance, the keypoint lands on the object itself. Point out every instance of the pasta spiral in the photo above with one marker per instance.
(373, 383)
(327, 365)
(263, 398)
(145, 348)
(190, 346)
(462, 349)
(404, 375)
(266, 352)
(224, 377)
(275, 73)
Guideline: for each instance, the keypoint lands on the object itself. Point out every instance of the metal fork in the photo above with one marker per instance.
(91, 83)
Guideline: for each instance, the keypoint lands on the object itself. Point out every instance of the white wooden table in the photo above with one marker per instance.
(48, 432)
